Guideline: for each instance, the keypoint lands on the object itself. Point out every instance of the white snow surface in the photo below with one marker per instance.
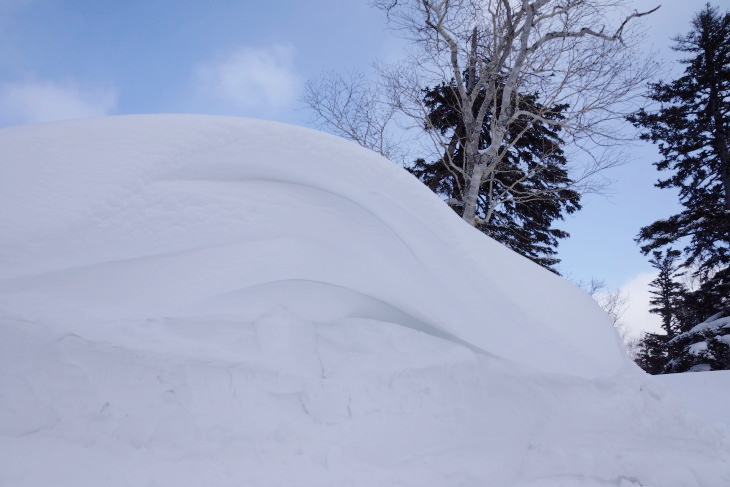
(212, 301)
(706, 394)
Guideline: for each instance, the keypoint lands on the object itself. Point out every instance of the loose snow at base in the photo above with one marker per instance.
(191, 300)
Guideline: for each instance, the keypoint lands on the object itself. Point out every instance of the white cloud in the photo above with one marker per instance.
(46, 101)
(637, 317)
(252, 79)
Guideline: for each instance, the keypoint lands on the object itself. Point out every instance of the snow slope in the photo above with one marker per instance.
(706, 394)
(190, 300)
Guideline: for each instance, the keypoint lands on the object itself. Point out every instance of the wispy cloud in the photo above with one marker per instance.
(46, 101)
(250, 80)
(637, 317)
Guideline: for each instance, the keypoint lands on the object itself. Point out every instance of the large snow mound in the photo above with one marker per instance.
(168, 215)
(190, 301)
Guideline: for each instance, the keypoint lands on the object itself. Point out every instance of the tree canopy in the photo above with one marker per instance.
(690, 123)
(691, 128)
(525, 194)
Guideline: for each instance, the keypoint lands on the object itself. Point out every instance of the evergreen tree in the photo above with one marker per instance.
(652, 354)
(530, 188)
(656, 351)
(692, 130)
(666, 292)
(702, 347)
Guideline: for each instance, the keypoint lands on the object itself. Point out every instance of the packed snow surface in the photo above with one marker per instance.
(192, 301)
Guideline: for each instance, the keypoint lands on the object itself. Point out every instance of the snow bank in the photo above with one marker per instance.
(213, 301)
(167, 215)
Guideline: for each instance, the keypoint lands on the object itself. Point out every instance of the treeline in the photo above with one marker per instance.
(691, 249)
(497, 91)
(492, 92)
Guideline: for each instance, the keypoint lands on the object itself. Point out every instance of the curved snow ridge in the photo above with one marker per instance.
(148, 215)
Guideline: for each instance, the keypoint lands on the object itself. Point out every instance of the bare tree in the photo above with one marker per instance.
(495, 50)
(492, 53)
(351, 107)
(614, 302)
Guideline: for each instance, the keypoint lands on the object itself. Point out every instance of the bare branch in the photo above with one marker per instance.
(350, 107)
(490, 53)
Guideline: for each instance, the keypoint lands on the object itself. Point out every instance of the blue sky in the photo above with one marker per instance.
(217, 56)
(79, 58)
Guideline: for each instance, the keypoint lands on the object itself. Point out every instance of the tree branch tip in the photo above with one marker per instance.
(650, 11)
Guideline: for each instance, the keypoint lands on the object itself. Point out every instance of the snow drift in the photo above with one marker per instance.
(147, 216)
(215, 301)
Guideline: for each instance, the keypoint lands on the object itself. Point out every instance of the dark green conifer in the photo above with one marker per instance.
(692, 128)
(652, 354)
(666, 291)
(530, 188)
